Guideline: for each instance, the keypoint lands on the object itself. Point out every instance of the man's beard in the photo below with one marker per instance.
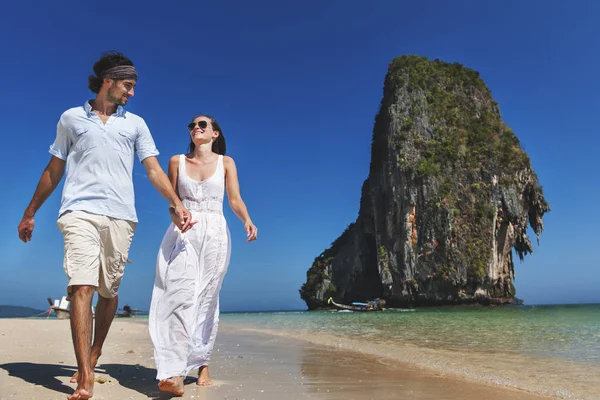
(116, 100)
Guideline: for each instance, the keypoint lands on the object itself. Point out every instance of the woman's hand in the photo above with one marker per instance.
(251, 231)
(184, 223)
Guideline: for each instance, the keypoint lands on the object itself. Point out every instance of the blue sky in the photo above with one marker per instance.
(296, 86)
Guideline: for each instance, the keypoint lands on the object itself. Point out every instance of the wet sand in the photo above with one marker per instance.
(37, 360)
(542, 376)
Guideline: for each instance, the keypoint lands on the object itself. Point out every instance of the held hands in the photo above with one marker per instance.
(182, 218)
(251, 231)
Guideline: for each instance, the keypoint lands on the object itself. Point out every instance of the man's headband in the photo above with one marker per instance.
(121, 72)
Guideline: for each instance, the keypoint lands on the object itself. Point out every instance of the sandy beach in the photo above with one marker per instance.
(36, 361)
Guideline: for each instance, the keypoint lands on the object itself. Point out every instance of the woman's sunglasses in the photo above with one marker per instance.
(201, 124)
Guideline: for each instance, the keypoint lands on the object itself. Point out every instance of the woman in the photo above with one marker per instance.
(191, 265)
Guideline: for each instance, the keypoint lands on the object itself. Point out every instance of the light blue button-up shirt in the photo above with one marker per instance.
(100, 160)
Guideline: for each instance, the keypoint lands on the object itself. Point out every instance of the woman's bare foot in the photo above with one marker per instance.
(172, 385)
(203, 378)
(85, 389)
(94, 359)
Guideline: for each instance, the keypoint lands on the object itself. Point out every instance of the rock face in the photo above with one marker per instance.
(450, 193)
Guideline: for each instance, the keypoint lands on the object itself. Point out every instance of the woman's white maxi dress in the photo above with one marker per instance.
(190, 268)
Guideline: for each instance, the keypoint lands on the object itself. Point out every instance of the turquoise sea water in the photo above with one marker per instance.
(567, 332)
(550, 350)
(563, 332)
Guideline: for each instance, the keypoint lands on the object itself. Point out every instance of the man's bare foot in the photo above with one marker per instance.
(94, 360)
(172, 385)
(84, 391)
(203, 378)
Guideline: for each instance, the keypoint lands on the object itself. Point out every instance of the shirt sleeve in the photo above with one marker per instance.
(62, 143)
(144, 143)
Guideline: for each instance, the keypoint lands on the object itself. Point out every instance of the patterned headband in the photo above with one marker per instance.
(121, 72)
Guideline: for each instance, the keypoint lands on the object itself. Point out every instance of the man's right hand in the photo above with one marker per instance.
(50, 178)
(26, 228)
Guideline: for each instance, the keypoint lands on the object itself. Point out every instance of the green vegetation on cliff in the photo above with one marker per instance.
(467, 139)
(320, 273)
(450, 193)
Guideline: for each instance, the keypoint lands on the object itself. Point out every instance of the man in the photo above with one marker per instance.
(96, 142)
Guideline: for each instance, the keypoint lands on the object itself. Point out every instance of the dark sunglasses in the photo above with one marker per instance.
(201, 124)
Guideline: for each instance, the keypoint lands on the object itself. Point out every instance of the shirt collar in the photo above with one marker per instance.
(88, 110)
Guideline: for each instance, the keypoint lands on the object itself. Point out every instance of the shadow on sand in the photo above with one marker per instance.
(134, 377)
(42, 374)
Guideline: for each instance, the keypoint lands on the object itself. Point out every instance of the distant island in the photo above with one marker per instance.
(449, 196)
(18, 312)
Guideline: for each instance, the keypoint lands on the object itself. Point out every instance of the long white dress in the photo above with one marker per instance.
(190, 268)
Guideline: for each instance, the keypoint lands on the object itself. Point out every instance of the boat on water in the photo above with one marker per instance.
(373, 305)
(61, 309)
(128, 312)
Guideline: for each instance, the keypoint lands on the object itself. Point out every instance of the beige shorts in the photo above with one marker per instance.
(96, 250)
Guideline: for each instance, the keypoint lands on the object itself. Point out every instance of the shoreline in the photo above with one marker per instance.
(459, 364)
(37, 361)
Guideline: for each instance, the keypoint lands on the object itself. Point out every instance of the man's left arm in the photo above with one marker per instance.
(147, 152)
(161, 182)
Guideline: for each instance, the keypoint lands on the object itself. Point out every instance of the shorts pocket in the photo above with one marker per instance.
(118, 269)
(67, 252)
(114, 275)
